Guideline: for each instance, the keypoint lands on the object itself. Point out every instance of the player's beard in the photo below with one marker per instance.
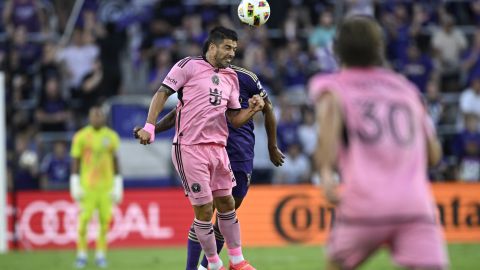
(224, 61)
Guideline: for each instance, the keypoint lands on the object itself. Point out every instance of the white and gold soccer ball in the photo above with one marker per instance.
(254, 12)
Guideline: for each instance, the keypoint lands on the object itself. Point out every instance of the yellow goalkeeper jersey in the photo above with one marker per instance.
(96, 150)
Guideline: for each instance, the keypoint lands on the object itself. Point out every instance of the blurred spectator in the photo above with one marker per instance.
(475, 8)
(296, 169)
(467, 150)
(292, 68)
(193, 30)
(287, 128)
(360, 7)
(434, 102)
(471, 59)
(27, 53)
(26, 13)
(53, 112)
(25, 167)
(470, 98)
(163, 64)
(48, 64)
(448, 43)
(159, 36)
(416, 67)
(308, 131)
(256, 60)
(324, 32)
(94, 88)
(398, 32)
(262, 167)
(55, 168)
(22, 91)
(111, 43)
(78, 59)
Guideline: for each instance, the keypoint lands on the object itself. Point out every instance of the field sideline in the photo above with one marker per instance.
(462, 256)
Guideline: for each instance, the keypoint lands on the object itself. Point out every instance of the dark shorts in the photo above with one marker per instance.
(243, 183)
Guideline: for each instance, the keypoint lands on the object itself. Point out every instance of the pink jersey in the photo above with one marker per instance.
(204, 94)
(383, 158)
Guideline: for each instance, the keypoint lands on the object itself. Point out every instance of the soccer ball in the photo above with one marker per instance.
(254, 12)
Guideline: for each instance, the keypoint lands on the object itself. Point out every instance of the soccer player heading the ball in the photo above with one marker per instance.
(208, 92)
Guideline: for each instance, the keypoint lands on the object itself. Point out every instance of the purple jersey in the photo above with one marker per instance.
(242, 140)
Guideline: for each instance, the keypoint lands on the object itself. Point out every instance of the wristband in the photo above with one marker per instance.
(150, 129)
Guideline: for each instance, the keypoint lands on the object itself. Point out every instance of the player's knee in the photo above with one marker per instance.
(238, 202)
(225, 204)
(203, 212)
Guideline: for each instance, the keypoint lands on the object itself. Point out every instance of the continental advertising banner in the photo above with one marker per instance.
(275, 216)
(270, 216)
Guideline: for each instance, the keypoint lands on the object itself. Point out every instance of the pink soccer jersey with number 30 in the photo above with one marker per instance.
(204, 94)
(383, 159)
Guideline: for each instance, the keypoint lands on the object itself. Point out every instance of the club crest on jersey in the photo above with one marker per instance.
(215, 80)
(196, 188)
(106, 141)
(215, 97)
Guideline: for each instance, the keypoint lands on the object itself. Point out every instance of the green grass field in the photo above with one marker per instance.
(463, 257)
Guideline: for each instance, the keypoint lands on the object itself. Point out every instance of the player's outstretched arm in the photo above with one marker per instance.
(239, 117)
(166, 123)
(276, 156)
(329, 118)
(147, 133)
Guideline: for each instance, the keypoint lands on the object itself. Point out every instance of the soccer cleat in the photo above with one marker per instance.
(244, 265)
(101, 262)
(80, 263)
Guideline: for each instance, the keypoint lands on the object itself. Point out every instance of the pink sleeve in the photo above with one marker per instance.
(319, 84)
(233, 101)
(178, 75)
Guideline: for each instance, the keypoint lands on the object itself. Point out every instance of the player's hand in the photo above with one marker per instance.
(330, 192)
(276, 156)
(256, 103)
(135, 132)
(144, 136)
(332, 197)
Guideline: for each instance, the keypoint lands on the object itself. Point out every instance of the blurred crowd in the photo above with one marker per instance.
(57, 69)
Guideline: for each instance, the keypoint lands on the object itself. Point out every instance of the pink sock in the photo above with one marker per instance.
(213, 259)
(230, 228)
(206, 237)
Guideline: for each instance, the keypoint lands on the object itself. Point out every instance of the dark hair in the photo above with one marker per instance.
(217, 35)
(359, 42)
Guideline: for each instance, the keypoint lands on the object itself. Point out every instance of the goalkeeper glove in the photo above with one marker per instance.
(117, 192)
(76, 190)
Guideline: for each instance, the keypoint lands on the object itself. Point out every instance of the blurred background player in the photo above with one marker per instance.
(208, 92)
(240, 146)
(95, 182)
(373, 118)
